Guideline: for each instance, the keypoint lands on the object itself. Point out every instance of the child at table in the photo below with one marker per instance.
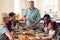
(16, 25)
(52, 26)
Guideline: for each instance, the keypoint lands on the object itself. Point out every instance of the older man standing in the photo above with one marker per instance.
(32, 16)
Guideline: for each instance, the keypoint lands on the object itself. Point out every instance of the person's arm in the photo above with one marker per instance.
(38, 18)
(6, 31)
(54, 34)
(9, 35)
(36, 22)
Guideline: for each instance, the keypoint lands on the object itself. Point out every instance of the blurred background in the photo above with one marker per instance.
(51, 7)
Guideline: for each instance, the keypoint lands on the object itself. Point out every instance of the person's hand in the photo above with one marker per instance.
(33, 25)
(9, 35)
(26, 27)
(12, 33)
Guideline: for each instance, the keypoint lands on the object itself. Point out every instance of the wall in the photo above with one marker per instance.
(40, 6)
(59, 8)
(6, 6)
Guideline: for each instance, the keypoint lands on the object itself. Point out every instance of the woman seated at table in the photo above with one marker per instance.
(4, 32)
(52, 26)
(46, 20)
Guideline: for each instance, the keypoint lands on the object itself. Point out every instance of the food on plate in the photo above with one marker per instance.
(46, 38)
(45, 35)
(22, 19)
(33, 38)
(24, 37)
(26, 28)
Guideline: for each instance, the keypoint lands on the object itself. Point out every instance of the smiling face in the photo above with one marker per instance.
(31, 4)
(45, 19)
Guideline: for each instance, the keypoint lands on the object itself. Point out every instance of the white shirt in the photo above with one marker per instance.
(51, 33)
(45, 29)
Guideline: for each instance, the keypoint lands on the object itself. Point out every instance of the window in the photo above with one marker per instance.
(51, 7)
(16, 6)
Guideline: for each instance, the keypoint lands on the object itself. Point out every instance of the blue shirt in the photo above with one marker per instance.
(3, 30)
(32, 15)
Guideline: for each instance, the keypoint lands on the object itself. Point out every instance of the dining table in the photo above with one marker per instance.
(23, 34)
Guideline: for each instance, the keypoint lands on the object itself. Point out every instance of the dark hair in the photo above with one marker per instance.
(46, 15)
(31, 2)
(49, 19)
(54, 25)
(14, 23)
(11, 14)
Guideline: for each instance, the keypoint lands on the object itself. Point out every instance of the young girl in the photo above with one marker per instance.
(52, 28)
